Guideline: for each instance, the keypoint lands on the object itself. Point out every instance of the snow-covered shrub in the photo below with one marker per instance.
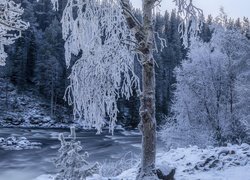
(71, 163)
(180, 134)
(116, 167)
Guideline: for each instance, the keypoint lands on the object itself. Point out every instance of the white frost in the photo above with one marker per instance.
(96, 32)
(11, 25)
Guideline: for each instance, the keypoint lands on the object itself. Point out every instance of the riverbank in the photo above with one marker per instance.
(192, 163)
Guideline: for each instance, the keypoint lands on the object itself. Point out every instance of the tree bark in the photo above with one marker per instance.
(147, 109)
(144, 35)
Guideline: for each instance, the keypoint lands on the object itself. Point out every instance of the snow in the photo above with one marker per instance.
(131, 132)
(232, 173)
(51, 177)
(229, 163)
(192, 163)
(45, 177)
(18, 143)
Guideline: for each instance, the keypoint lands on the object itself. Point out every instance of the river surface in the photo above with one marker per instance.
(29, 164)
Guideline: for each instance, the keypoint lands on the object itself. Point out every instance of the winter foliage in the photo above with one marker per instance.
(192, 19)
(97, 33)
(36, 62)
(115, 168)
(73, 164)
(209, 90)
(11, 25)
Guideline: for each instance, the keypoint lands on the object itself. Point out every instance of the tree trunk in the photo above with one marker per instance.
(52, 98)
(144, 35)
(147, 109)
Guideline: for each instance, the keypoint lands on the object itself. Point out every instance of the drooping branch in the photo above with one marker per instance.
(99, 34)
(192, 19)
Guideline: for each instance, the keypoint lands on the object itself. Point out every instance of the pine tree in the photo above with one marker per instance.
(50, 66)
(18, 76)
(31, 59)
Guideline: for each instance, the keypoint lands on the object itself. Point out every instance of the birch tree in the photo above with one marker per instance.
(106, 37)
(11, 25)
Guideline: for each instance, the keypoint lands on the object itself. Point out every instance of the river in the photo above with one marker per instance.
(29, 164)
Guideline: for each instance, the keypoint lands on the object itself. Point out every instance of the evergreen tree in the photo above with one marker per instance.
(18, 76)
(206, 33)
(50, 67)
(246, 27)
(31, 59)
(73, 164)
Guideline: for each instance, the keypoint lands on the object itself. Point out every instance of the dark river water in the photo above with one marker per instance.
(29, 164)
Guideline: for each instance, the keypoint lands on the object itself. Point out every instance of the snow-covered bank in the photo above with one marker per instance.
(221, 163)
(28, 109)
(192, 163)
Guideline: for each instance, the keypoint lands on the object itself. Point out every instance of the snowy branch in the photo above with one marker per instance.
(97, 32)
(11, 25)
(192, 18)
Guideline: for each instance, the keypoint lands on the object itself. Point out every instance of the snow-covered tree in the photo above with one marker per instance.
(206, 97)
(104, 70)
(11, 25)
(73, 164)
(242, 88)
(106, 37)
(246, 27)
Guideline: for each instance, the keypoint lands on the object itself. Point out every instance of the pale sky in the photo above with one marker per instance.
(233, 8)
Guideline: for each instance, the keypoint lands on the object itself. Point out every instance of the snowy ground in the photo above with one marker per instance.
(223, 163)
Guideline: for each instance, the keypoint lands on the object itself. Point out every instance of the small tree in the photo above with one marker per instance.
(71, 163)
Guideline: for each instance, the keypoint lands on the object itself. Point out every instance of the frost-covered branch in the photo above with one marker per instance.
(97, 31)
(192, 18)
(102, 34)
(212, 91)
(11, 25)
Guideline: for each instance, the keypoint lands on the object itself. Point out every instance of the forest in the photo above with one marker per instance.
(52, 79)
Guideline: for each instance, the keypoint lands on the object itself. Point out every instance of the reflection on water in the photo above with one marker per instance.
(28, 164)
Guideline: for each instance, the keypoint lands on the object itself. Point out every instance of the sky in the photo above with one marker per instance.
(233, 8)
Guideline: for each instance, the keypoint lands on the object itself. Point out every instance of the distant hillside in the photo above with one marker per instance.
(27, 109)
